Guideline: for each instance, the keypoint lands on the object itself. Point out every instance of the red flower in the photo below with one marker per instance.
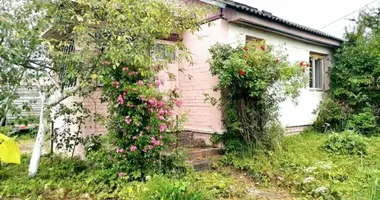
(245, 56)
(301, 64)
(303, 70)
(307, 65)
(245, 48)
(277, 60)
(262, 47)
(241, 72)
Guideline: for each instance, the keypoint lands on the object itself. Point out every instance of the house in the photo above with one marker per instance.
(234, 24)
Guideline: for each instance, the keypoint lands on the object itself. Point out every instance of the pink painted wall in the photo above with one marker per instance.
(202, 116)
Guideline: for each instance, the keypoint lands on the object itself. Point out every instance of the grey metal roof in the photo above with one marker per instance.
(268, 15)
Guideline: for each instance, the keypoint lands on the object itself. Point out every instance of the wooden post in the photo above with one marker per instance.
(52, 139)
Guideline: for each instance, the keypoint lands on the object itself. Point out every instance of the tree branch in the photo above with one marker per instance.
(63, 97)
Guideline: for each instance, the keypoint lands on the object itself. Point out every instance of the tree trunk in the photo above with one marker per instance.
(37, 150)
(7, 102)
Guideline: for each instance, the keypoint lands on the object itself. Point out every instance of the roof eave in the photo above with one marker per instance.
(234, 16)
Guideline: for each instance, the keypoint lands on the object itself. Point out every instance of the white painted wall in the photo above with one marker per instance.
(290, 114)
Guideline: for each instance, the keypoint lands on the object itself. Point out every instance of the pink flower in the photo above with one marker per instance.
(106, 62)
(115, 84)
(153, 140)
(128, 120)
(120, 174)
(179, 103)
(161, 136)
(144, 150)
(169, 112)
(120, 99)
(143, 98)
(134, 137)
(161, 111)
(119, 150)
(133, 148)
(141, 83)
(161, 117)
(150, 110)
(157, 83)
(163, 127)
(157, 143)
(132, 73)
(150, 147)
(151, 101)
(161, 103)
(148, 128)
(149, 85)
(125, 69)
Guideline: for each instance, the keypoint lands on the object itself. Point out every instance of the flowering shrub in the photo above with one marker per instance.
(253, 80)
(141, 118)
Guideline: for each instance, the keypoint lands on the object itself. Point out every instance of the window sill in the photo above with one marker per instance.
(316, 89)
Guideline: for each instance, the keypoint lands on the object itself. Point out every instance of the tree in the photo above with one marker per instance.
(355, 77)
(10, 77)
(106, 34)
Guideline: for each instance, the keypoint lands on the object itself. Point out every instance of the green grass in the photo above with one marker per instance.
(307, 170)
(65, 178)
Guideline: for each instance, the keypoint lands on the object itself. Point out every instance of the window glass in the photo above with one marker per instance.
(163, 51)
(316, 72)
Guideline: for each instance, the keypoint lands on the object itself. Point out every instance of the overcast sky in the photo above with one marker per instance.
(314, 14)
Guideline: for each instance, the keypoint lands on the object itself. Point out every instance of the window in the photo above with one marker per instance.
(69, 81)
(164, 51)
(250, 38)
(317, 63)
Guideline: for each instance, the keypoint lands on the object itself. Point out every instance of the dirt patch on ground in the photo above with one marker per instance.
(254, 191)
(26, 146)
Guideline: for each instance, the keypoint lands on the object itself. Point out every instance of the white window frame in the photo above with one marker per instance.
(312, 85)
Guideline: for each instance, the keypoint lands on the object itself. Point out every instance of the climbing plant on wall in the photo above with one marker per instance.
(253, 80)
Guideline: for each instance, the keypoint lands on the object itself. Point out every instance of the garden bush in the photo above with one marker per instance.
(346, 143)
(331, 116)
(364, 123)
(354, 79)
(6, 130)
